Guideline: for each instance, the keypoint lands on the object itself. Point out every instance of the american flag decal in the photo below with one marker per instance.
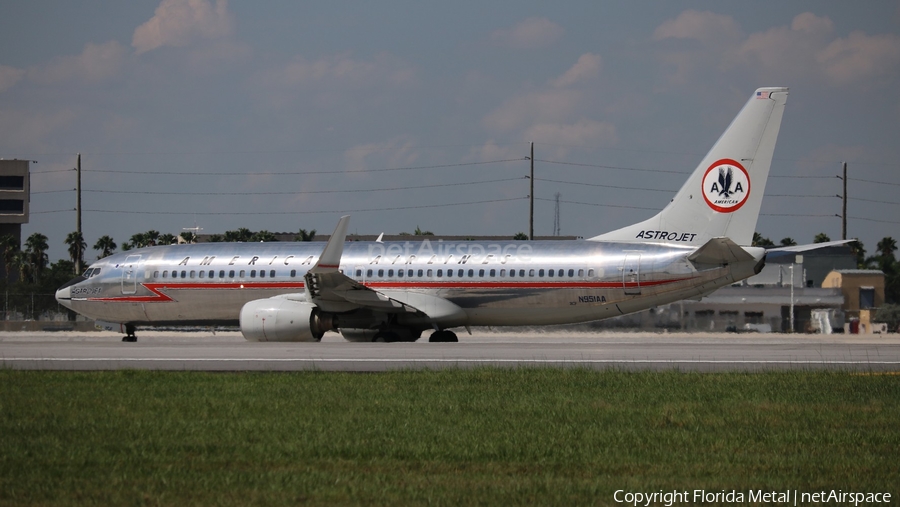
(762, 95)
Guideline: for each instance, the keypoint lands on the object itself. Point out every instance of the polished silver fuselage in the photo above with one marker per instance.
(496, 284)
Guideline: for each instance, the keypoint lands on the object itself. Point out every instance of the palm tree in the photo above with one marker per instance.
(821, 238)
(264, 236)
(9, 246)
(215, 238)
(520, 236)
(189, 237)
(36, 253)
(168, 239)
(106, 246)
(138, 240)
(760, 241)
(886, 247)
(151, 237)
(420, 232)
(860, 251)
(305, 236)
(77, 246)
(789, 241)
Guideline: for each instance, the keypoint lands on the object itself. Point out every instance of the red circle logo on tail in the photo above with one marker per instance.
(726, 185)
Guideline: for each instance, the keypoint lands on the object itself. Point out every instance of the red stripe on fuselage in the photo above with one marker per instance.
(161, 297)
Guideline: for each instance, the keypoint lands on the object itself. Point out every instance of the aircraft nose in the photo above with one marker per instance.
(64, 296)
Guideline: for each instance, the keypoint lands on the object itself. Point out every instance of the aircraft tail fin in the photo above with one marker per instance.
(723, 195)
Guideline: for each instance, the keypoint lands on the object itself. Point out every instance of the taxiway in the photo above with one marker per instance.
(228, 351)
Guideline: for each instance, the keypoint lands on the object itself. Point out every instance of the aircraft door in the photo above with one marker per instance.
(130, 274)
(631, 273)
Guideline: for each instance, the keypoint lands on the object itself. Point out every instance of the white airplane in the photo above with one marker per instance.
(393, 291)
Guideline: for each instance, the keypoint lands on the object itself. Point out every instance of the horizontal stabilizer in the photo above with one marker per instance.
(808, 247)
(720, 251)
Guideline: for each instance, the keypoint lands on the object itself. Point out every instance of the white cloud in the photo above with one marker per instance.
(179, 22)
(587, 66)
(582, 133)
(9, 76)
(860, 58)
(517, 112)
(531, 33)
(342, 68)
(97, 63)
(703, 26)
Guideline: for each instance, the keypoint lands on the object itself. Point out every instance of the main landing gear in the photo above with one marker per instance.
(443, 336)
(129, 334)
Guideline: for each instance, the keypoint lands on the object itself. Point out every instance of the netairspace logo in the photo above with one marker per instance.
(753, 496)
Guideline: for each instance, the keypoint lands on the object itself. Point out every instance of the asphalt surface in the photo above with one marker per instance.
(228, 351)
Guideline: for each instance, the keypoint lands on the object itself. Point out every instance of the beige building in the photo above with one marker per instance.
(863, 291)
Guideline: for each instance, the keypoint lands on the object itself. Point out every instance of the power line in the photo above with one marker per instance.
(299, 192)
(396, 208)
(604, 186)
(296, 173)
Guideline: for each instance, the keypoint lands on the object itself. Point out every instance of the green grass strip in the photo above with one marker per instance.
(473, 437)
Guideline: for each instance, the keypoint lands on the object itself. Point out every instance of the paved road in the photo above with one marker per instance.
(634, 351)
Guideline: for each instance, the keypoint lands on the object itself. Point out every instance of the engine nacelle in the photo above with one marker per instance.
(284, 320)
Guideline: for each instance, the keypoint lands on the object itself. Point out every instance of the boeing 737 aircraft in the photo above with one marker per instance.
(393, 291)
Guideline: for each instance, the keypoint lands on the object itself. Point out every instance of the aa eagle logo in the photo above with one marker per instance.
(726, 186)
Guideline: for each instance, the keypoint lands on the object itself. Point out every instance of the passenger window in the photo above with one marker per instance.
(590, 273)
(271, 273)
(165, 273)
(429, 273)
(580, 272)
(410, 273)
(420, 273)
(471, 273)
(252, 273)
(368, 273)
(571, 273)
(358, 273)
(400, 273)
(512, 273)
(241, 274)
(560, 274)
(231, 273)
(192, 273)
(262, 273)
(156, 274)
(174, 274)
(493, 273)
(390, 273)
(540, 273)
(530, 272)
(202, 273)
(522, 273)
(440, 273)
(502, 273)
(459, 273)
(183, 274)
(212, 273)
(293, 273)
(550, 273)
(380, 273)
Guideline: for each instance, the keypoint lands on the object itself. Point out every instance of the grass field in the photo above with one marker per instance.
(472, 437)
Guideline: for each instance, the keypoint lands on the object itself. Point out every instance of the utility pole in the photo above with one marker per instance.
(556, 217)
(531, 195)
(78, 197)
(78, 212)
(844, 207)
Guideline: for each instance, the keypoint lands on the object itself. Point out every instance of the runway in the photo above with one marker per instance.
(228, 351)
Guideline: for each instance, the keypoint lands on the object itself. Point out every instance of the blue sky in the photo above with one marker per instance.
(282, 115)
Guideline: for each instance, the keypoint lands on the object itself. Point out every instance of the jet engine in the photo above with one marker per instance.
(281, 319)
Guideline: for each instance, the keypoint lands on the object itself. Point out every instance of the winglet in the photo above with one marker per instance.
(330, 260)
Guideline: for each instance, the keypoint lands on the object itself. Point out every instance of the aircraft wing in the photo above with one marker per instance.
(333, 291)
(787, 250)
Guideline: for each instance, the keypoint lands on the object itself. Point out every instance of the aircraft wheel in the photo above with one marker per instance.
(443, 336)
(129, 334)
(386, 337)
